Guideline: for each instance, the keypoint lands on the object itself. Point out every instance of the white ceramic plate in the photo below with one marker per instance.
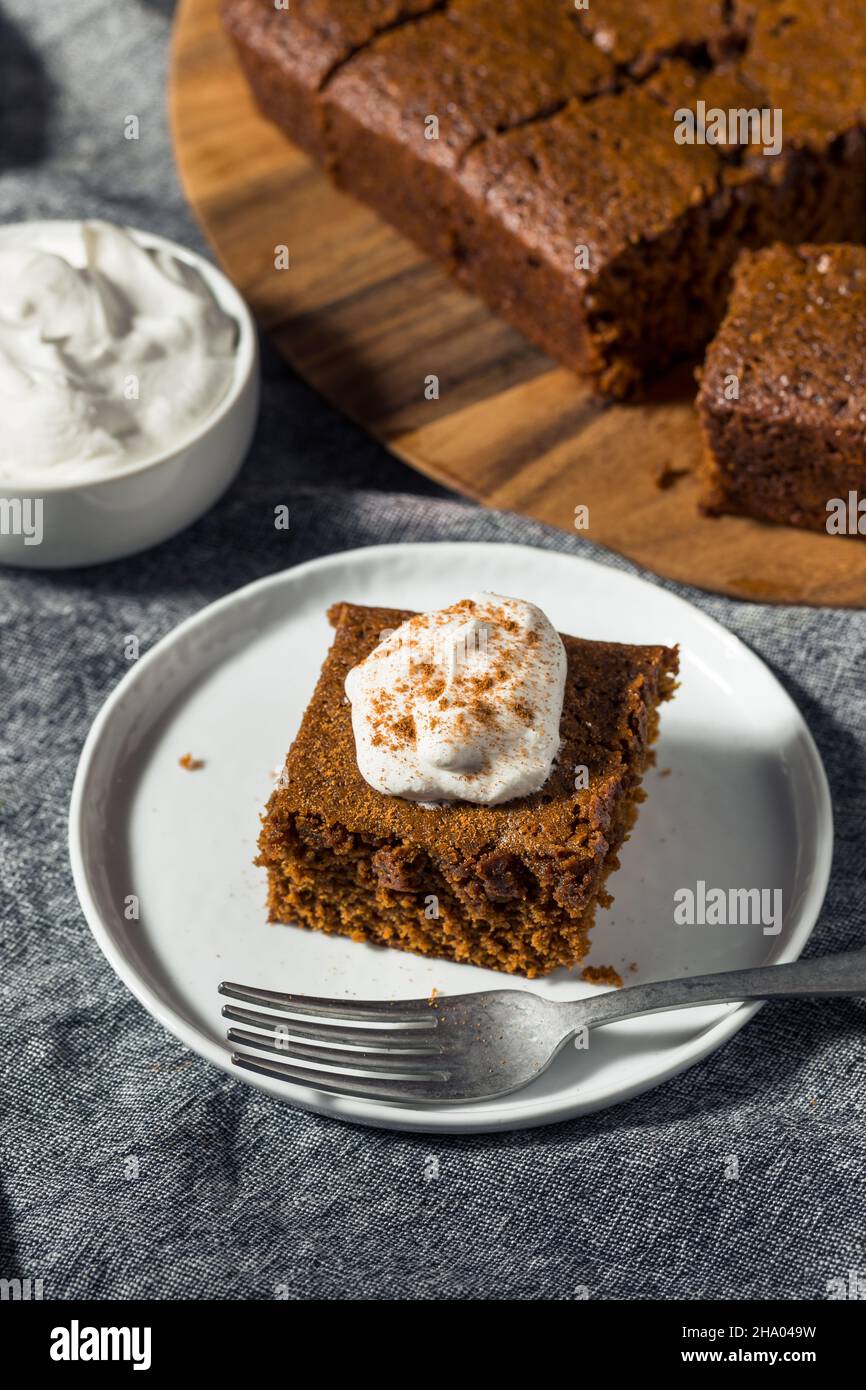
(744, 802)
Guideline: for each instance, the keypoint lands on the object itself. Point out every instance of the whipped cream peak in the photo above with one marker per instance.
(461, 704)
(111, 353)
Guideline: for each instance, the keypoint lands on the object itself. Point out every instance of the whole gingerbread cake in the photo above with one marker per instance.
(591, 173)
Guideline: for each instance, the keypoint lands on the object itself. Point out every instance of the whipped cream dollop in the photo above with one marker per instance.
(110, 353)
(462, 704)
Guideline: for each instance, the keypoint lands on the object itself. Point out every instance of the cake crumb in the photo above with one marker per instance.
(191, 764)
(601, 975)
(434, 995)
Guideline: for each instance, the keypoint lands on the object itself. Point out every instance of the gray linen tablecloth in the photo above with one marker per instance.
(237, 1194)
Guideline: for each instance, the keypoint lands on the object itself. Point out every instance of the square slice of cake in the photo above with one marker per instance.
(511, 886)
(782, 402)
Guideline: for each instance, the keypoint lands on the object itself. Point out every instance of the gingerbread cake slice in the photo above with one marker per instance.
(512, 885)
(782, 400)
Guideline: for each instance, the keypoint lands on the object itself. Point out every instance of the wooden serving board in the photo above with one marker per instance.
(367, 319)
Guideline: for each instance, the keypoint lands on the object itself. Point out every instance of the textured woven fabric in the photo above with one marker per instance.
(236, 1195)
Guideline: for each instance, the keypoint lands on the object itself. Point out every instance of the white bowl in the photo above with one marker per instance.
(150, 499)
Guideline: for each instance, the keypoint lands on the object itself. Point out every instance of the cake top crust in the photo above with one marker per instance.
(810, 59)
(610, 688)
(636, 33)
(477, 69)
(607, 172)
(794, 337)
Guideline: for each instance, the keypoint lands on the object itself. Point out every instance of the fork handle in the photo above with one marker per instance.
(821, 977)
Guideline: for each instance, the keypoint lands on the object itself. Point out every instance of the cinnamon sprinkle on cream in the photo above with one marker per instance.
(461, 704)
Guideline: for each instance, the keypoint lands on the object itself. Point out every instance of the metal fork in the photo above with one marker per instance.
(468, 1047)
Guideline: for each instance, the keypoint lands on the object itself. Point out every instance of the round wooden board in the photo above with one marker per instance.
(365, 318)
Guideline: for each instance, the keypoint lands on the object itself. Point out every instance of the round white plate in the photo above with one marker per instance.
(739, 799)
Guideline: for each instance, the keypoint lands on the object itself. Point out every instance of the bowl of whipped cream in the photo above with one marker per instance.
(129, 389)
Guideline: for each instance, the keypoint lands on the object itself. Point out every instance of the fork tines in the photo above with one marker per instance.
(333, 1045)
